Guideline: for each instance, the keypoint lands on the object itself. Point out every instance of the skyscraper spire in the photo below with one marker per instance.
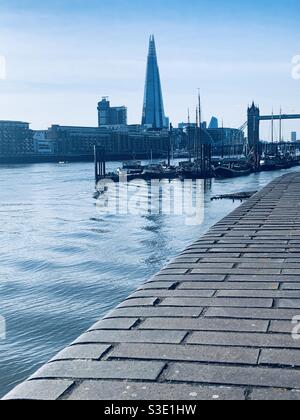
(199, 108)
(153, 109)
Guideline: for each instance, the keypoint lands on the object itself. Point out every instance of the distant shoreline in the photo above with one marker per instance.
(31, 159)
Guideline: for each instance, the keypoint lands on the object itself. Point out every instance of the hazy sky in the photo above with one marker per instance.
(63, 56)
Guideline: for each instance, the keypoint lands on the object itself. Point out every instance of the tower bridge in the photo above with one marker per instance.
(254, 119)
(253, 123)
(279, 117)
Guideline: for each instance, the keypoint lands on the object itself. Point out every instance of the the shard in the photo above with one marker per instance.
(153, 109)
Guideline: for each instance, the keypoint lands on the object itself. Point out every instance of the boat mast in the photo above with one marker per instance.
(272, 126)
(170, 145)
(199, 108)
(280, 126)
(196, 136)
(200, 120)
(189, 135)
(222, 150)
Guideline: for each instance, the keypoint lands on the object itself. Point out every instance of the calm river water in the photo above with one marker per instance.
(63, 265)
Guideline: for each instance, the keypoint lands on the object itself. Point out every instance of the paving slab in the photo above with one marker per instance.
(79, 369)
(145, 391)
(218, 302)
(255, 313)
(133, 336)
(280, 357)
(285, 327)
(229, 286)
(80, 352)
(43, 390)
(283, 341)
(209, 354)
(274, 394)
(227, 375)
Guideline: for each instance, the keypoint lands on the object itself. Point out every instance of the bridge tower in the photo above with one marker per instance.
(253, 133)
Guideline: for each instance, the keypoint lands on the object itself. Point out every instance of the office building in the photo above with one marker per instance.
(227, 140)
(214, 123)
(111, 116)
(185, 125)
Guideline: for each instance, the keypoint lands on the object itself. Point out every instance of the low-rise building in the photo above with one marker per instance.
(119, 142)
(16, 139)
(42, 145)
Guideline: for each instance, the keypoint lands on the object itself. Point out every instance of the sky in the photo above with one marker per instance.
(63, 56)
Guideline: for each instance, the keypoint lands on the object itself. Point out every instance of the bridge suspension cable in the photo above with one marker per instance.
(242, 128)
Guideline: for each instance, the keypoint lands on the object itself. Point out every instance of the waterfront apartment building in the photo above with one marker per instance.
(16, 139)
(77, 143)
(111, 116)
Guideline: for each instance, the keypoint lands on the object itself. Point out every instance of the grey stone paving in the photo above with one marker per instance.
(103, 390)
(218, 323)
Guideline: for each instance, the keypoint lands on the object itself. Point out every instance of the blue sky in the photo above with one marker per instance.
(62, 56)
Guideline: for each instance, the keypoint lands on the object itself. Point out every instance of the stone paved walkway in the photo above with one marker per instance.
(216, 323)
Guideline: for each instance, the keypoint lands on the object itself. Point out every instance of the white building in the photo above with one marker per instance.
(42, 145)
(293, 136)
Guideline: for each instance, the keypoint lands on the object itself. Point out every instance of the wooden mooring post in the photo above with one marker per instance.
(100, 163)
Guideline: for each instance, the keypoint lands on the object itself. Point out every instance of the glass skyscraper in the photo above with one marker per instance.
(153, 109)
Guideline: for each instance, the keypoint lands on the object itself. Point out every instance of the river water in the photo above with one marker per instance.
(63, 265)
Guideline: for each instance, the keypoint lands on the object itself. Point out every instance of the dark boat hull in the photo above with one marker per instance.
(223, 172)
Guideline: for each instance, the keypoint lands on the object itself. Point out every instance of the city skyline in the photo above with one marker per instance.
(60, 61)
